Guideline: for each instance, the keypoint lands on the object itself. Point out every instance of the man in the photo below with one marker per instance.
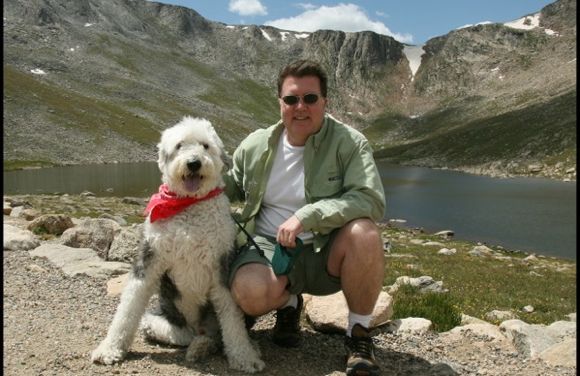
(313, 178)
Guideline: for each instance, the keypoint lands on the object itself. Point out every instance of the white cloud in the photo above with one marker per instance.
(306, 6)
(345, 17)
(247, 7)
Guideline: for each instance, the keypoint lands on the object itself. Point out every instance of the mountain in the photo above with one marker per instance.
(94, 81)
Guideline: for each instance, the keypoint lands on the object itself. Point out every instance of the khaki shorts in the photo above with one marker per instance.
(309, 274)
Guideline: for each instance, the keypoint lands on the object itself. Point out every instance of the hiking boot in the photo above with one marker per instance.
(287, 328)
(360, 352)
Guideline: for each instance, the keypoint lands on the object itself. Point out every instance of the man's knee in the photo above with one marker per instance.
(246, 288)
(256, 290)
(361, 234)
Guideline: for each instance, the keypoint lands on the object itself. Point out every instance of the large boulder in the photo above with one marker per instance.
(16, 238)
(54, 224)
(329, 314)
(97, 234)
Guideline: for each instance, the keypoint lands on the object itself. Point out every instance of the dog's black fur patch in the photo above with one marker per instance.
(168, 294)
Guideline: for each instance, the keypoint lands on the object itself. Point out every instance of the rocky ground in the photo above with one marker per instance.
(52, 321)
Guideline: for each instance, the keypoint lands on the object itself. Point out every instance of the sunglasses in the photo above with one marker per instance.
(292, 100)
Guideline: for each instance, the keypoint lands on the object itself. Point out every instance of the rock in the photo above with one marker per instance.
(125, 245)
(97, 234)
(535, 168)
(7, 208)
(24, 212)
(54, 224)
(423, 283)
(484, 329)
(447, 252)
(116, 285)
(409, 325)
(532, 339)
(561, 354)
(433, 244)
(530, 258)
(528, 309)
(134, 200)
(19, 239)
(75, 261)
(497, 315)
(329, 314)
(445, 234)
(572, 317)
(120, 220)
(481, 250)
(466, 320)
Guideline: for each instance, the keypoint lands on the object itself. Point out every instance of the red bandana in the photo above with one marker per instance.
(166, 204)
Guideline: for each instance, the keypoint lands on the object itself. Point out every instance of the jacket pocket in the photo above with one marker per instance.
(328, 187)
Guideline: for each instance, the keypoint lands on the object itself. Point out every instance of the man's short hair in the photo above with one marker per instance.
(302, 68)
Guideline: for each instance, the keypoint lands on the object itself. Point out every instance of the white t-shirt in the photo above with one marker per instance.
(284, 191)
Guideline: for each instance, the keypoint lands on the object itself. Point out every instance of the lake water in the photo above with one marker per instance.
(528, 214)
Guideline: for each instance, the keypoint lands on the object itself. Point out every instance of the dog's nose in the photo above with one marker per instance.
(194, 165)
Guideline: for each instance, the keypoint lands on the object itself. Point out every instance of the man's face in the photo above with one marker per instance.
(301, 120)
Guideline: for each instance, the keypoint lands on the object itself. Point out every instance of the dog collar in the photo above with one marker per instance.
(165, 203)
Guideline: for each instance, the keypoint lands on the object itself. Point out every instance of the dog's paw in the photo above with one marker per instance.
(247, 361)
(249, 365)
(200, 347)
(106, 354)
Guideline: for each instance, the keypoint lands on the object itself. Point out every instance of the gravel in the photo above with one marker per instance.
(52, 322)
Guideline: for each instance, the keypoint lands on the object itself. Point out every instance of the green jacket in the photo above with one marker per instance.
(341, 180)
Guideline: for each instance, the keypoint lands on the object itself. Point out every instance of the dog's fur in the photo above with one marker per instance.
(183, 258)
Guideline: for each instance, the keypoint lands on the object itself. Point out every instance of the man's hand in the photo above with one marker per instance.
(288, 231)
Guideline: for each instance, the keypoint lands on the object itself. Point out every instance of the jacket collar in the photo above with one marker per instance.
(315, 139)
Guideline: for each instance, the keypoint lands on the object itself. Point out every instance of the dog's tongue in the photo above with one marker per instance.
(192, 182)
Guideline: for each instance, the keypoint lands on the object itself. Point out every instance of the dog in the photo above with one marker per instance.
(188, 240)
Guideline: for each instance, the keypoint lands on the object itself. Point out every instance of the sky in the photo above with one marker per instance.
(408, 21)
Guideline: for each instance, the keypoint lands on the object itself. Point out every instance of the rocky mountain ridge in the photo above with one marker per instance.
(109, 75)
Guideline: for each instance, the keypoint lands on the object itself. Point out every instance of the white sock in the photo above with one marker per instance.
(292, 302)
(354, 318)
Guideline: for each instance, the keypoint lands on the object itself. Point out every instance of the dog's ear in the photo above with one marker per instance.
(215, 139)
(162, 157)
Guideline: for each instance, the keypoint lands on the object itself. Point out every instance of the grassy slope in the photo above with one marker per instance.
(135, 108)
(478, 285)
(546, 131)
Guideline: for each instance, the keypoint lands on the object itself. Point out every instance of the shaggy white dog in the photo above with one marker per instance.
(188, 241)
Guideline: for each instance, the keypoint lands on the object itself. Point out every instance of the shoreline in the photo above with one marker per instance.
(132, 207)
(479, 170)
(397, 223)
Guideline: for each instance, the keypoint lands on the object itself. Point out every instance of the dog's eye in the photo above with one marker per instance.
(205, 146)
(178, 146)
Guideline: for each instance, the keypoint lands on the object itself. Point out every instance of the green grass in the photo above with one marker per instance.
(478, 285)
(71, 109)
(10, 165)
(441, 309)
(246, 96)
